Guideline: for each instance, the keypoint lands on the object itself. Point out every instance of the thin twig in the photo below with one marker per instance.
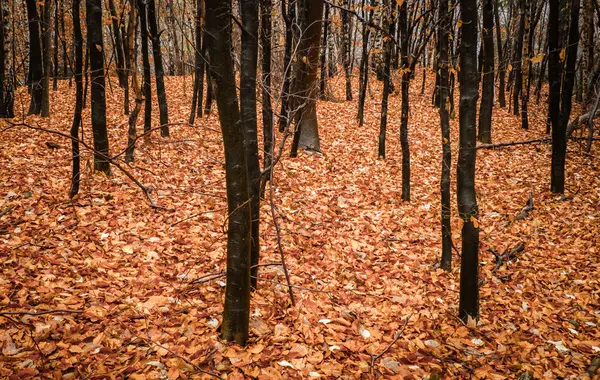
(397, 336)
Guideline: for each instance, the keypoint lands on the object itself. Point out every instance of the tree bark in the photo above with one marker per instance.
(323, 58)
(346, 52)
(404, 116)
(305, 77)
(97, 92)
(159, 71)
(518, 56)
(289, 17)
(364, 66)
(132, 48)
(443, 64)
(525, 70)
(249, 57)
(561, 120)
(501, 65)
(78, 39)
(6, 76)
(487, 89)
(198, 90)
(266, 7)
(467, 200)
(389, 25)
(46, 58)
(146, 84)
(35, 74)
(236, 312)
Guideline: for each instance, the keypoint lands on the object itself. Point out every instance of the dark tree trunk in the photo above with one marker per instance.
(443, 63)
(198, 91)
(209, 83)
(6, 75)
(501, 65)
(65, 55)
(560, 119)
(46, 58)
(386, 77)
(56, 29)
(323, 80)
(146, 84)
(118, 44)
(517, 69)
(289, 17)
(404, 116)
(78, 39)
(35, 59)
(132, 48)
(97, 92)
(364, 68)
(467, 200)
(525, 68)
(305, 90)
(159, 72)
(236, 312)
(249, 57)
(267, 110)
(346, 52)
(487, 89)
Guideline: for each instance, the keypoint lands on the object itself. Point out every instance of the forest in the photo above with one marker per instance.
(276, 189)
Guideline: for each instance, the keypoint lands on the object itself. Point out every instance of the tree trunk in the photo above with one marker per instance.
(467, 200)
(236, 312)
(159, 72)
(389, 25)
(501, 65)
(198, 90)
(97, 92)
(560, 119)
(6, 76)
(35, 74)
(46, 60)
(323, 58)
(525, 70)
(209, 82)
(346, 52)
(405, 106)
(120, 59)
(305, 77)
(443, 64)
(517, 69)
(78, 39)
(249, 57)
(56, 29)
(289, 17)
(267, 110)
(487, 89)
(364, 67)
(146, 84)
(132, 48)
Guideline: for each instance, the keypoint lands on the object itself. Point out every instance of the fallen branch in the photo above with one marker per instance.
(528, 208)
(508, 255)
(512, 143)
(35, 314)
(397, 336)
(6, 211)
(593, 368)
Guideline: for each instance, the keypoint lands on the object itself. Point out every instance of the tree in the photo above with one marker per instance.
(198, 66)
(249, 57)
(159, 72)
(525, 70)
(98, 96)
(132, 48)
(363, 75)
(305, 88)
(46, 60)
(346, 49)
(267, 110)
(34, 76)
(323, 58)
(487, 90)
(146, 86)
(467, 199)
(518, 56)
(501, 66)
(443, 64)
(389, 25)
(6, 77)
(236, 313)
(78, 39)
(289, 16)
(119, 49)
(559, 107)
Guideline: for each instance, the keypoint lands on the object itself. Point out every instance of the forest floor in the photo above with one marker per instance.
(136, 292)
